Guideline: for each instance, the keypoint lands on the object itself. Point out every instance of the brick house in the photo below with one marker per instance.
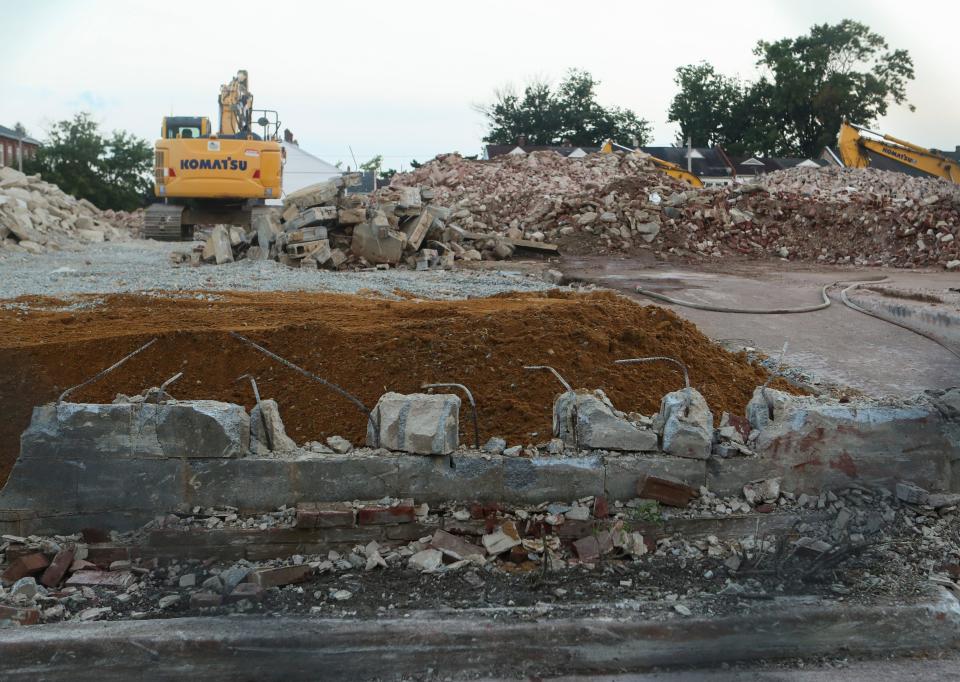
(9, 144)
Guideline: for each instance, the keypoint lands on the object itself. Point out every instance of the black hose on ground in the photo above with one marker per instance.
(803, 309)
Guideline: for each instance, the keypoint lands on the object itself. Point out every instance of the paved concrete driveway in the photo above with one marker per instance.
(837, 344)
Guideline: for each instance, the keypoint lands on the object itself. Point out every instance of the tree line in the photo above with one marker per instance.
(805, 86)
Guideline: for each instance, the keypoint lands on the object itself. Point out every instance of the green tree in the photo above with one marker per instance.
(806, 87)
(112, 172)
(570, 112)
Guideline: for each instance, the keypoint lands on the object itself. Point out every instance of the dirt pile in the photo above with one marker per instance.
(36, 216)
(368, 346)
(620, 202)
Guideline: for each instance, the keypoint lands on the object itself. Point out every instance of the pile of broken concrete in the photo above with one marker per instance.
(37, 216)
(327, 226)
(610, 202)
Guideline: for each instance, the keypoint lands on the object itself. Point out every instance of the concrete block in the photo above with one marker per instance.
(457, 477)
(597, 427)
(377, 245)
(320, 194)
(252, 483)
(686, 424)
(818, 447)
(197, 428)
(727, 476)
(267, 433)
(416, 229)
(543, 479)
(352, 216)
(312, 216)
(419, 423)
(131, 484)
(333, 478)
(624, 472)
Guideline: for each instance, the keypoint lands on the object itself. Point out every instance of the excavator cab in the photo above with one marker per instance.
(174, 127)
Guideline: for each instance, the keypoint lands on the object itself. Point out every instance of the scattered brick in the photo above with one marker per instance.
(30, 564)
(671, 493)
(58, 567)
(335, 515)
(21, 616)
(373, 515)
(453, 546)
(284, 575)
(590, 548)
(601, 508)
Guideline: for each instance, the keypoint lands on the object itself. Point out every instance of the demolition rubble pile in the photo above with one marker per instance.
(603, 203)
(325, 226)
(37, 216)
(856, 544)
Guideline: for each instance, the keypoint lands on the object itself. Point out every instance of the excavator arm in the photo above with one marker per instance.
(855, 150)
(236, 106)
(671, 169)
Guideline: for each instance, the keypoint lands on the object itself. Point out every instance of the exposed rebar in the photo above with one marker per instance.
(263, 415)
(573, 407)
(310, 375)
(658, 358)
(473, 407)
(104, 372)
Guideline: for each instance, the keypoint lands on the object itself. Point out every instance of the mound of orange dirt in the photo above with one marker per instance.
(366, 345)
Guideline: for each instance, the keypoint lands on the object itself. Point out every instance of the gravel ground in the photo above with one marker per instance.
(120, 267)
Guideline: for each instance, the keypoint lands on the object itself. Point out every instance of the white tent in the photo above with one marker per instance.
(303, 169)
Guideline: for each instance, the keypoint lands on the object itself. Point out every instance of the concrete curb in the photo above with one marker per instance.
(464, 645)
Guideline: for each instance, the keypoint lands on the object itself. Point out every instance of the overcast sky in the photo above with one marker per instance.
(400, 78)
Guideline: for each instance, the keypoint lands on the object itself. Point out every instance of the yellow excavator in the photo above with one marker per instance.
(671, 169)
(855, 149)
(203, 178)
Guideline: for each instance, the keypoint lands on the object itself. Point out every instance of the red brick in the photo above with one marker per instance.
(590, 548)
(454, 546)
(335, 515)
(250, 591)
(107, 554)
(21, 616)
(58, 567)
(285, 575)
(601, 509)
(94, 535)
(765, 508)
(672, 493)
(381, 515)
(31, 564)
(306, 515)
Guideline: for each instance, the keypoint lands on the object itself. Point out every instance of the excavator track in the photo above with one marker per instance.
(163, 223)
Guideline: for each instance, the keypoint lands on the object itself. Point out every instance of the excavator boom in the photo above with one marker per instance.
(855, 149)
(671, 169)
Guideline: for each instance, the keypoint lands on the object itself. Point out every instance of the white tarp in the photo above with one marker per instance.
(303, 169)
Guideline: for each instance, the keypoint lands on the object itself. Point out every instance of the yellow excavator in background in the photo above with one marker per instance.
(855, 150)
(671, 169)
(204, 178)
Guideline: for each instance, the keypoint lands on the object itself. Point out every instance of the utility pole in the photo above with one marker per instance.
(690, 154)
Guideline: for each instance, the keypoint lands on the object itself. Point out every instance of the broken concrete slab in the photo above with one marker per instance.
(267, 433)
(420, 423)
(189, 428)
(587, 420)
(320, 194)
(310, 217)
(218, 247)
(686, 424)
(378, 244)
